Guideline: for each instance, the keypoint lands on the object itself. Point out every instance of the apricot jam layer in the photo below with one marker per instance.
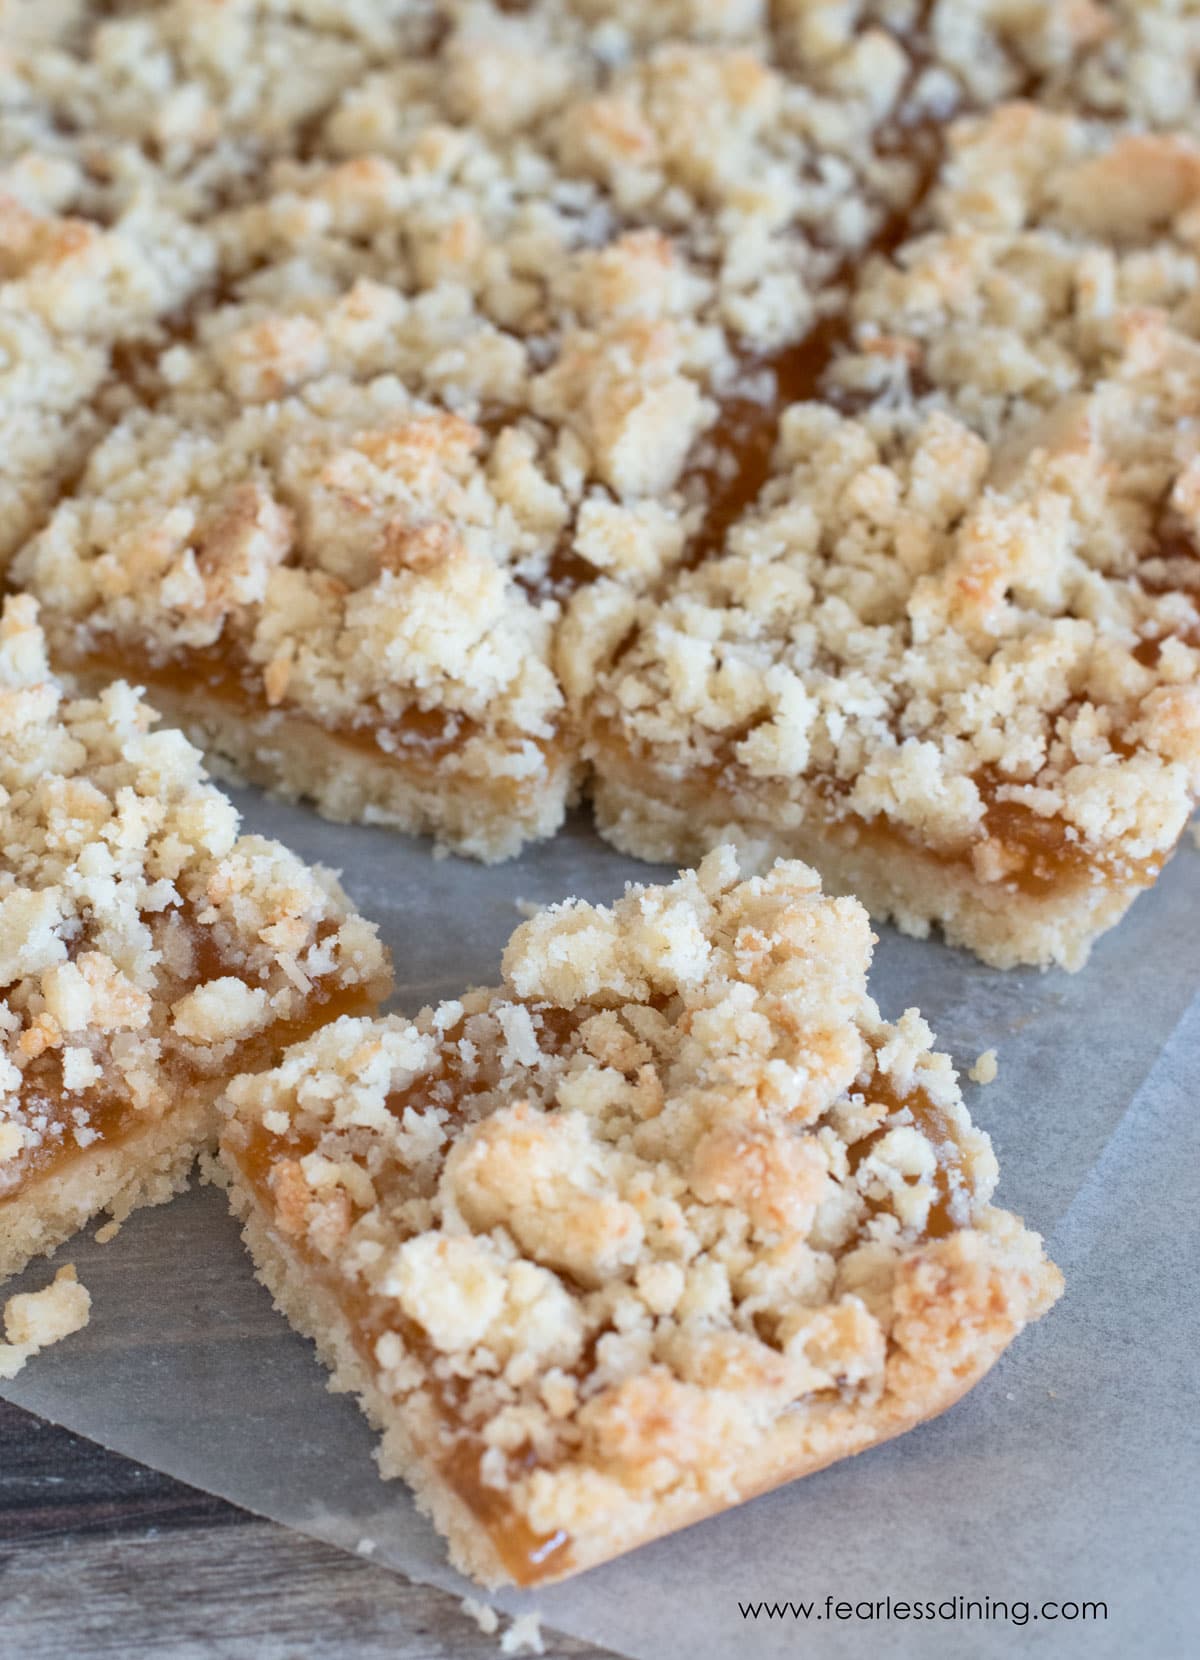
(417, 740)
(1033, 855)
(115, 1119)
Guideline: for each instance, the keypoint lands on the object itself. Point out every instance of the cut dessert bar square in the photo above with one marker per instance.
(147, 951)
(320, 591)
(951, 654)
(668, 1219)
(332, 549)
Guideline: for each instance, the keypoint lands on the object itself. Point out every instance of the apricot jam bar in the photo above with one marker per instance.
(669, 1218)
(950, 653)
(147, 951)
(321, 590)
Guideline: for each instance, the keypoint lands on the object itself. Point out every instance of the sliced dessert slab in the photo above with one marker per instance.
(147, 951)
(445, 387)
(320, 591)
(951, 654)
(669, 1218)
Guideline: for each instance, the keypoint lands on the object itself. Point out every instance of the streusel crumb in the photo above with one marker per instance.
(670, 1217)
(147, 949)
(524, 1636)
(986, 1069)
(34, 1320)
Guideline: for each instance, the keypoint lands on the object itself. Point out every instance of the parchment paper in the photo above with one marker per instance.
(1070, 1473)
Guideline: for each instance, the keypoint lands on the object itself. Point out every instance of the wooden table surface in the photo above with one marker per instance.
(102, 1557)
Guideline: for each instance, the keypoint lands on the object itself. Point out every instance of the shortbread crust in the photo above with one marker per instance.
(147, 951)
(671, 1217)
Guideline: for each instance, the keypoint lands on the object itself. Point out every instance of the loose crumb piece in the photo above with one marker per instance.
(210, 1172)
(484, 1615)
(107, 1233)
(524, 1636)
(528, 908)
(365, 1547)
(985, 1069)
(34, 1320)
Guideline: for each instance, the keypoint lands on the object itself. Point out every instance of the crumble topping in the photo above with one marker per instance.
(34, 1320)
(1133, 60)
(674, 1178)
(756, 149)
(142, 938)
(186, 100)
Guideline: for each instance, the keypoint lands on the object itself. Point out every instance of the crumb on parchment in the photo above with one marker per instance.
(524, 1636)
(985, 1069)
(33, 1320)
(484, 1615)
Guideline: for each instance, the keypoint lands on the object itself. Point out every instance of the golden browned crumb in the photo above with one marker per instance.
(146, 948)
(34, 1320)
(670, 1217)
